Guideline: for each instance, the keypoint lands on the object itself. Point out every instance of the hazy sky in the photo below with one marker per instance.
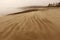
(9, 6)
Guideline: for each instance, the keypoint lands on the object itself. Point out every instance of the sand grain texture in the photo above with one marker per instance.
(36, 25)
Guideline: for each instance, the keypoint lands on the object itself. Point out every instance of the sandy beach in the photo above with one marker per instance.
(35, 25)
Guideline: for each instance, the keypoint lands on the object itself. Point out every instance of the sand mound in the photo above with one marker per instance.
(37, 25)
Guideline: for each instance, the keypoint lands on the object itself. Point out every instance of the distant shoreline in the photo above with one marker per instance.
(33, 8)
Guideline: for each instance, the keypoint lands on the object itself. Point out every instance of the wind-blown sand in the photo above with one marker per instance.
(35, 25)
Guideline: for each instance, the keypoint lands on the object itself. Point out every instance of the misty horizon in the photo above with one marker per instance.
(10, 6)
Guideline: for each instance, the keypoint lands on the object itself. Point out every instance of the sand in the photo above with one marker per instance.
(35, 25)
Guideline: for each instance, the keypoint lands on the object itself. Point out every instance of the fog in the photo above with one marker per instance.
(11, 6)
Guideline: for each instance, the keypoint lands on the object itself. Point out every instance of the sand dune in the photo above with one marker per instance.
(35, 25)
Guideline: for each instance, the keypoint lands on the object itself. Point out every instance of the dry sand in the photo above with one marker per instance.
(36, 25)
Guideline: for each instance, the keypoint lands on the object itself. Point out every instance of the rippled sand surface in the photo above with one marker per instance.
(35, 25)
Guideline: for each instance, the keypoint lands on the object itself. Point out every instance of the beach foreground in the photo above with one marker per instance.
(35, 25)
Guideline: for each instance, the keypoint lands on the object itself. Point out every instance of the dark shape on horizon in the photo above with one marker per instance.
(54, 5)
(58, 5)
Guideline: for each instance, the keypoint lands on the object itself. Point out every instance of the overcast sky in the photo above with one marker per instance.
(9, 6)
